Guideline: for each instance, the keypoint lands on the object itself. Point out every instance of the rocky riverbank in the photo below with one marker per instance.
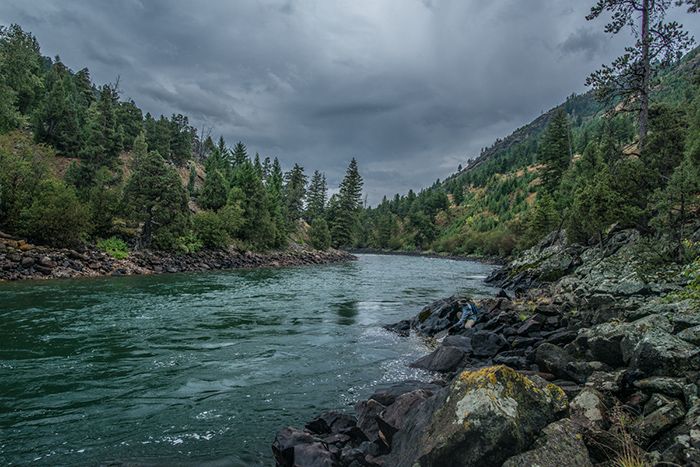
(578, 361)
(22, 261)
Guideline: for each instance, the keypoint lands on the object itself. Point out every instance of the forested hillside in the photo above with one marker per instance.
(80, 164)
(577, 167)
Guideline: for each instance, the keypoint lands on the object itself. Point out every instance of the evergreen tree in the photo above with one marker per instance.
(155, 196)
(349, 203)
(250, 192)
(630, 78)
(21, 67)
(57, 121)
(215, 191)
(239, 155)
(554, 152)
(294, 193)
(319, 234)
(316, 197)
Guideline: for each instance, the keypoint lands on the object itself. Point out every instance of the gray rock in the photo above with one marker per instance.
(658, 422)
(552, 359)
(487, 344)
(607, 381)
(588, 409)
(484, 418)
(461, 342)
(442, 360)
(560, 445)
(659, 353)
(673, 387)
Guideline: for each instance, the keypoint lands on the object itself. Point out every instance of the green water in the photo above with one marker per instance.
(204, 369)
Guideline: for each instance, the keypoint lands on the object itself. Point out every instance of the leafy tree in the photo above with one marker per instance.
(23, 167)
(630, 77)
(155, 196)
(319, 234)
(56, 217)
(554, 152)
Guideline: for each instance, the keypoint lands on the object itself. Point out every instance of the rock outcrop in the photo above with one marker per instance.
(590, 364)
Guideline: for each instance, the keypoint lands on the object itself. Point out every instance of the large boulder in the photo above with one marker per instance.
(483, 418)
(438, 316)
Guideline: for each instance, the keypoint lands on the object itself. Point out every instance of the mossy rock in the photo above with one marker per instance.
(425, 314)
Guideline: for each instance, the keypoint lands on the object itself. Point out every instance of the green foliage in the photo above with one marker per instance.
(155, 196)
(115, 247)
(555, 153)
(345, 212)
(56, 217)
(211, 229)
(319, 234)
(214, 191)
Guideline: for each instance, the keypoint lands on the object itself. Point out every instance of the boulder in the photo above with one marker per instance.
(392, 419)
(438, 316)
(659, 353)
(461, 342)
(487, 344)
(443, 360)
(367, 413)
(604, 342)
(588, 409)
(285, 442)
(670, 413)
(552, 359)
(483, 418)
(331, 421)
(560, 445)
(388, 396)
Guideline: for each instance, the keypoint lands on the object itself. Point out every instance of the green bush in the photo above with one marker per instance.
(115, 247)
(56, 217)
(319, 234)
(211, 229)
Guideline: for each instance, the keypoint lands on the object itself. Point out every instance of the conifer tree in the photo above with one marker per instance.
(630, 78)
(214, 191)
(316, 197)
(554, 152)
(155, 196)
(348, 205)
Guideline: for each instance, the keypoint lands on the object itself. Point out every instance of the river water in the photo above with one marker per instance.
(204, 369)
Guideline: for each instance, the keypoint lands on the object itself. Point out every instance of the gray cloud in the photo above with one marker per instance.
(410, 88)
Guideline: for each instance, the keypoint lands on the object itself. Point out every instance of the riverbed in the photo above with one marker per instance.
(203, 369)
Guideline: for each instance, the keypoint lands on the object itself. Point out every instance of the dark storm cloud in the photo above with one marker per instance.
(410, 88)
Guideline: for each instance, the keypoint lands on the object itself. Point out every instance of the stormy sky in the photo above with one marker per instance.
(410, 88)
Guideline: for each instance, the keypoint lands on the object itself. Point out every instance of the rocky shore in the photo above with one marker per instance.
(22, 261)
(579, 361)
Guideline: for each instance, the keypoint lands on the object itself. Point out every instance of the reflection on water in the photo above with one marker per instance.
(203, 369)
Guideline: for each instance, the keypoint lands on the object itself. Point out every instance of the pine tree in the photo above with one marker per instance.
(155, 196)
(349, 204)
(316, 197)
(239, 155)
(294, 193)
(554, 152)
(214, 191)
(630, 78)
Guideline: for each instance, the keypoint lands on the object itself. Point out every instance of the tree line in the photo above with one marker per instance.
(78, 163)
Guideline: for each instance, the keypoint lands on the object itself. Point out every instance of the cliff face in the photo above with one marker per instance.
(577, 360)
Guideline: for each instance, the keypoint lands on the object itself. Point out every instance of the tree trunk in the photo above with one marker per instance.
(646, 75)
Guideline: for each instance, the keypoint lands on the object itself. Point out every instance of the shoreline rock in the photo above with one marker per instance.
(22, 261)
(592, 349)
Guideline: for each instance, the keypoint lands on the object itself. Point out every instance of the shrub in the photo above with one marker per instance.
(211, 229)
(115, 247)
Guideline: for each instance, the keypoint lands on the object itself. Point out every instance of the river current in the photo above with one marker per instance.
(204, 369)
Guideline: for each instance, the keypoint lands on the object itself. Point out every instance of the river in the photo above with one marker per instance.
(204, 369)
